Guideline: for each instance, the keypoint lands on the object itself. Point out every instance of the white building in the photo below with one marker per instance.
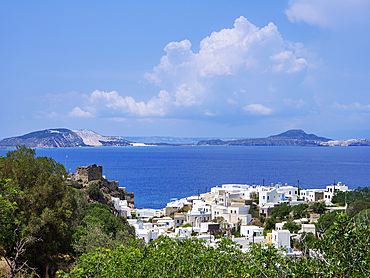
(281, 238)
(251, 231)
(200, 212)
(330, 190)
(312, 195)
(122, 207)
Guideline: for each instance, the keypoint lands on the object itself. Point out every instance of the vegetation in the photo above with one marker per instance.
(164, 257)
(281, 211)
(349, 197)
(42, 219)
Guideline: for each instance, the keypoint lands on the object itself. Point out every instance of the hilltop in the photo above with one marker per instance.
(294, 137)
(62, 138)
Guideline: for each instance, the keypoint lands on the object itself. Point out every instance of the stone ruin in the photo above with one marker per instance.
(94, 174)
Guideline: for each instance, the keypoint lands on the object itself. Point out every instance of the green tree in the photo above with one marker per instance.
(291, 226)
(345, 248)
(14, 236)
(270, 223)
(356, 207)
(94, 192)
(326, 221)
(49, 207)
(318, 207)
(100, 228)
(299, 211)
(280, 211)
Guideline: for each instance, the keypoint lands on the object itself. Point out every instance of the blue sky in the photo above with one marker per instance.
(186, 68)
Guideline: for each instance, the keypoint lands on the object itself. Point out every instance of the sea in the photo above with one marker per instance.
(157, 174)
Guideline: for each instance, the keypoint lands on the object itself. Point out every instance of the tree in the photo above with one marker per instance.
(345, 248)
(291, 226)
(318, 207)
(100, 228)
(280, 211)
(299, 211)
(326, 221)
(356, 207)
(270, 223)
(14, 237)
(49, 208)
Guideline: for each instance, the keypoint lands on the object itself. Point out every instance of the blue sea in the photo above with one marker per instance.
(157, 174)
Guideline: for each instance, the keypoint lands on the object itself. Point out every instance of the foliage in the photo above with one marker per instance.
(356, 207)
(362, 218)
(356, 195)
(307, 241)
(262, 219)
(48, 206)
(291, 226)
(14, 236)
(299, 211)
(280, 211)
(186, 225)
(347, 247)
(100, 228)
(270, 223)
(318, 207)
(165, 257)
(94, 192)
(326, 221)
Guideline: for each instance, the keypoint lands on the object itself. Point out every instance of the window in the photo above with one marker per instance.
(268, 197)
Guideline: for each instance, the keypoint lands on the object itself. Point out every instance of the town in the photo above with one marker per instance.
(234, 210)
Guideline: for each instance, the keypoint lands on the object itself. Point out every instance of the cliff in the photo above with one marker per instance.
(62, 138)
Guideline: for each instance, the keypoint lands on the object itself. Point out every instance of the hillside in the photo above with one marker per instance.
(295, 137)
(62, 138)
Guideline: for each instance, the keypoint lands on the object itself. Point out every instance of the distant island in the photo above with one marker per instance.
(294, 137)
(65, 138)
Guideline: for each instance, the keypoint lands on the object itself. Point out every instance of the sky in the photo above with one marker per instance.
(210, 68)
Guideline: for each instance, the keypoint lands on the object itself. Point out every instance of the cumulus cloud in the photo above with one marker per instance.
(238, 52)
(328, 13)
(78, 112)
(156, 106)
(356, 106)
(258, 109)
(239, 64)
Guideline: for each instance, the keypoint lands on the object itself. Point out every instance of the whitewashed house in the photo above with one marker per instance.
(251, 231)
(330, 190)
(122, 207)
(281, 238)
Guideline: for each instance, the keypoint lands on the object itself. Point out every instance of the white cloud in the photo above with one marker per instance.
(209, 113)
(243, 50)
(356, 106)
(296, 103)
(231, 101)
(78, 112)
(287, 62)
(258, 109)
(328, 13)
(156, 106)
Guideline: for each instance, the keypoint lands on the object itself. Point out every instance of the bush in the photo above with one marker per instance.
(94, 192)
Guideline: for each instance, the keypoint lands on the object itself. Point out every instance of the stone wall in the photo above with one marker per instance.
(89, 173)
